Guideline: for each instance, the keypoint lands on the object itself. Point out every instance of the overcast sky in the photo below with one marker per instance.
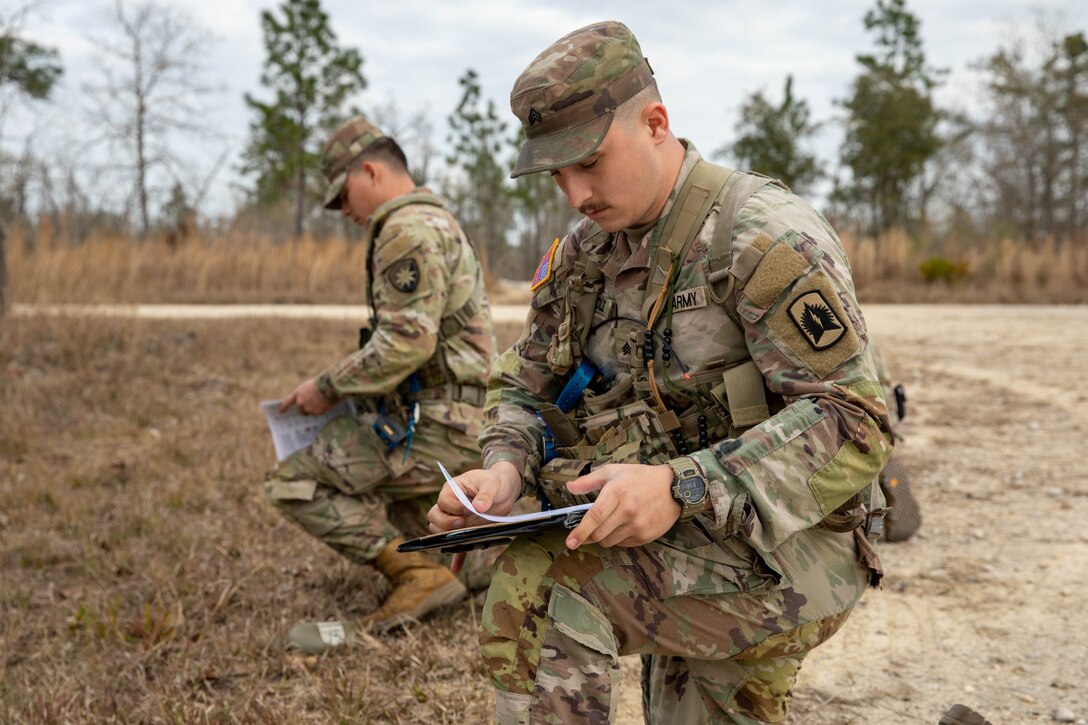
(708, 56)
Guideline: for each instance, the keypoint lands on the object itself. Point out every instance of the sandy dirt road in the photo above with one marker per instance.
(986, 605)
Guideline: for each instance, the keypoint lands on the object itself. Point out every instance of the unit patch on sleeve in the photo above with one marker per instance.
(404, 275)
(813, 316)
(812, 325)
(546, 267)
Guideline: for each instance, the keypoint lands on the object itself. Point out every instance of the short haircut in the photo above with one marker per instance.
(630, 110)
(384, 150)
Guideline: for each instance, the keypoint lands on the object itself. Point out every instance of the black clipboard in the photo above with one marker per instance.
(485, 535)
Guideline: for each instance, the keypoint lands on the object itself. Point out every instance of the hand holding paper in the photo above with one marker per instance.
(518, 518)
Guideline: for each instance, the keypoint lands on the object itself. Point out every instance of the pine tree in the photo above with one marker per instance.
(770, 136)
(891, 128)
(481, 198)
(311, 79)
(30, 70)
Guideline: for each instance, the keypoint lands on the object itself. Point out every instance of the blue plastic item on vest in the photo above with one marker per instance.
(568, 398)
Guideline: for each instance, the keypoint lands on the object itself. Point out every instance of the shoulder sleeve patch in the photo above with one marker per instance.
(404, 275)
(545, 269)
(813, 325)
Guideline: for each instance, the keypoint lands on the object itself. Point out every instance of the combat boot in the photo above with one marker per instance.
(962, 715)
(420, 585)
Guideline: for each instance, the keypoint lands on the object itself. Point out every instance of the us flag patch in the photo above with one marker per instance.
(544, 271)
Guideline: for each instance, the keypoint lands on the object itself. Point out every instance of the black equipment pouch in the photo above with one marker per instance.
(390, 430)
(900, 402)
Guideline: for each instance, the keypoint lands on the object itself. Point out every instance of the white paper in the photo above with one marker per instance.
(535, 516)
(292, 431)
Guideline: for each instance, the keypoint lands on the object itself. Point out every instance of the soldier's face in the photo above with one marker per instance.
(620, 185)
(357, 199)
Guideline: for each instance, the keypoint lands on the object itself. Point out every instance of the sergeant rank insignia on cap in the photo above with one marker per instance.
(544, 270)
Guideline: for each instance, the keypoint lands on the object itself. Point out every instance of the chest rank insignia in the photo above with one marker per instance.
(817, 321)
(404, 275)
(545, 268)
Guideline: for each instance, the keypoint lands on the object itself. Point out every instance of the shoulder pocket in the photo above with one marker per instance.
(766, 269)
(397, 247)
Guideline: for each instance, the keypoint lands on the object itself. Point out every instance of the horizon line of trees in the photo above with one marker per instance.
(1017, 170)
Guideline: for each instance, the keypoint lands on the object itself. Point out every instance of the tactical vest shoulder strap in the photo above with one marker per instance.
(693, 202)
(720, 257)
(452, 324)
(742, 386)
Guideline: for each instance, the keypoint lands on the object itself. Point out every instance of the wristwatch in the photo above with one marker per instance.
(688, 488)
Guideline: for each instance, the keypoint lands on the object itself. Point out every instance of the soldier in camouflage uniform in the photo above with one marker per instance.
(729, 439)
(423, 365)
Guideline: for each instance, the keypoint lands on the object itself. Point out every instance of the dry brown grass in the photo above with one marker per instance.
(887, 269)
(221, 270)
(143, 575)
(244, 269)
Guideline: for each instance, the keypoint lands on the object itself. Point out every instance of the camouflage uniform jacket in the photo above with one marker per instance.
(827, 435)
(431, 315)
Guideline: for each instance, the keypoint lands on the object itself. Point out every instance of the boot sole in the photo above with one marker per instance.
(445, 595)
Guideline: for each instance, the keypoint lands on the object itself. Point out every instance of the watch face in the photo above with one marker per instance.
(691, 490)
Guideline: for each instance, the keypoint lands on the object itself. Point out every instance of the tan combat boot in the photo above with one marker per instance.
(419, 586)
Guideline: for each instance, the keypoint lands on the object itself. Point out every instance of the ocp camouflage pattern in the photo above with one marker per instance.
(767, 578)
(348, 488)
(443, 275)
(565, 97)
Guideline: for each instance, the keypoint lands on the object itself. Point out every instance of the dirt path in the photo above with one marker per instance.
(500, 313)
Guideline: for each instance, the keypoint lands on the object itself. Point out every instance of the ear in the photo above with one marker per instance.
(372, 170)
(656, 118)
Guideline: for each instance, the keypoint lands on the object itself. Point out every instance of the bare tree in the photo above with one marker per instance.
(150, 92)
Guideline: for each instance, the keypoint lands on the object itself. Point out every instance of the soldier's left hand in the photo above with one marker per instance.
(634, 506)
(306, 399)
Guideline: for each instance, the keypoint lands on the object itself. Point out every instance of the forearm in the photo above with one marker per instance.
(788, 473)
(513, 432)
(386, 361)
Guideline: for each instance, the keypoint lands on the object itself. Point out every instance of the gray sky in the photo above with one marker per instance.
(708, 56)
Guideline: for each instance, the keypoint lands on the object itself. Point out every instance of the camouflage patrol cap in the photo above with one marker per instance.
(566, 98)
(343, 147)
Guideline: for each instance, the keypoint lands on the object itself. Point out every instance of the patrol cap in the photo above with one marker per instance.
(343, 147)
(567, 96)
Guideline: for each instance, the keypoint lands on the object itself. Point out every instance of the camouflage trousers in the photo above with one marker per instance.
(724, 648)
(354, 493)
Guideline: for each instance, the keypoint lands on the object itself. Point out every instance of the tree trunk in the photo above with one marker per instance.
(3, 272)
(141, 142)
(300, 193)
